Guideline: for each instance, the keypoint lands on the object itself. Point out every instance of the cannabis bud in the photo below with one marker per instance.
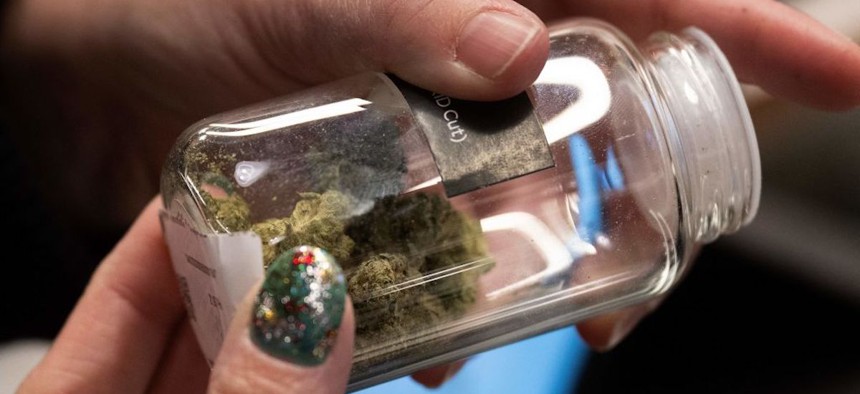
(388, 252)
(317, 219)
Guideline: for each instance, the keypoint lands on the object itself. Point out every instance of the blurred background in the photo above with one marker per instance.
(771, 309)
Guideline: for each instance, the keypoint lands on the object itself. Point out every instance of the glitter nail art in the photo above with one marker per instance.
(299, 308)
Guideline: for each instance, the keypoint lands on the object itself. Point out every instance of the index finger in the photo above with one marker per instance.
(116, 334)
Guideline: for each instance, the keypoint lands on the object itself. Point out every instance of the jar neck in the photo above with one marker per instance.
(709, 132)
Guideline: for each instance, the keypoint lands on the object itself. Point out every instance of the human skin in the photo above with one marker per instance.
(97, 92)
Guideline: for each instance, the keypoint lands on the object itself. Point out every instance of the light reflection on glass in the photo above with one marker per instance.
(557, 255)
(248, 172)
(290, 119)
(594, 96)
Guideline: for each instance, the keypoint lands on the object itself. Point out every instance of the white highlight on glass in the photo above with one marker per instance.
(248, 172)
(559, 257)
(291, 119)
(594, 98)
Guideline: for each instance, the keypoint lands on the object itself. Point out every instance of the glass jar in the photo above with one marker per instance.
(462, 226)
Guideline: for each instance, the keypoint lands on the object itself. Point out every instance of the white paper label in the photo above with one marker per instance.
(214, 271)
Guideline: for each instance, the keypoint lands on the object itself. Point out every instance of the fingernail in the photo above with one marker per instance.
(491, 41)
(299, 307)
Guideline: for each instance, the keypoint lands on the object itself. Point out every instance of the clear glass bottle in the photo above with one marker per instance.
(464, 226)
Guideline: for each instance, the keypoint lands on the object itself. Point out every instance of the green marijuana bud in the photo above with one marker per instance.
(390, 299)
(412, 261)
(271, 233)
(319, 220)
(226, 214)
(433, 237)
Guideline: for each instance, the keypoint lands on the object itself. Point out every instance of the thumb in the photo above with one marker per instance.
(471, 49)
(294, 334)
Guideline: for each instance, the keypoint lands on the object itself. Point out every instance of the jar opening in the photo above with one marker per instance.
(712, 139)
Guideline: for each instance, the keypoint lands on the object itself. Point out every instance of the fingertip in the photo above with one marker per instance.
(506, 50)
(600, 332)
(604, 332)
(437, 376)
(300, 306)
(826, 75)
(491, 55)
(769, 43)
(298, 347)
(792, 55)
(521, 72)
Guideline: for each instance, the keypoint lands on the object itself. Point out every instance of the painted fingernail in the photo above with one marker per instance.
(492, 40)
(300, 305)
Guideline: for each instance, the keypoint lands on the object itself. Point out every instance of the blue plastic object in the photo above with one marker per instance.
(546, 364)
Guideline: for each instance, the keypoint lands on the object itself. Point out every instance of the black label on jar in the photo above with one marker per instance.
(477, 144)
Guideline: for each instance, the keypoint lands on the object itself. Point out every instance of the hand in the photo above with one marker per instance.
(123, 79)
(129, 333)
(117, 82)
